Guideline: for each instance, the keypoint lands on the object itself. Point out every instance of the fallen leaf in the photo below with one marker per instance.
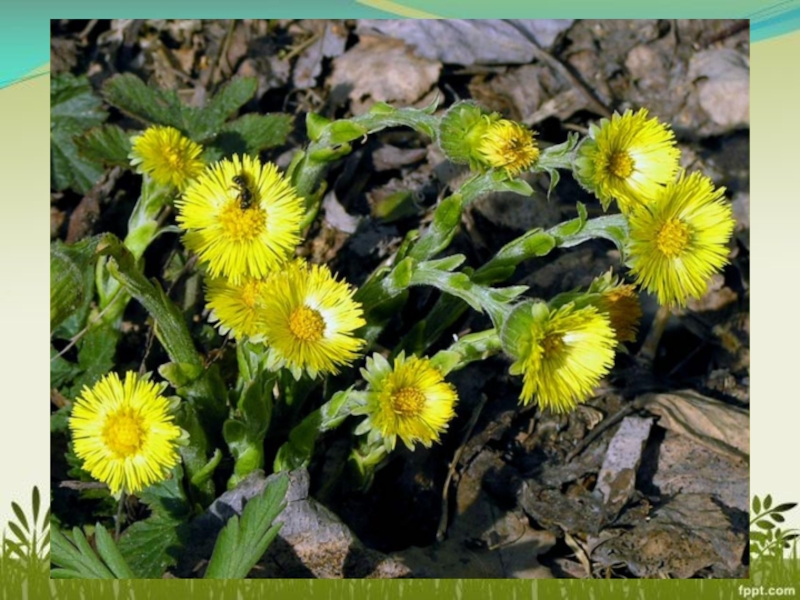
(714, 424)
(381, 70)
(689, 533)
(617, 477)
(467, 42)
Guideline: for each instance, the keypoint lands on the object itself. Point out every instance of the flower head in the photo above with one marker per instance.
(237, 308)
(409, 400)
(562, 353)
(167, 156)
(469, 135)
(309, 318)
(680, 239)
(241, 218)
(627, 158)
(620, 303)
(124, 432)
(509, 146)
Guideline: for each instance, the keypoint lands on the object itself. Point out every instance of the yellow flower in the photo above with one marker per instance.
(619, 302)
(167, 156)
(237, 308)
(680, 239)
(242, 218)
(309, 318)
(507, 145)
(562, 353)
(409, 400)
(621, 305)
(627, 158)
(124, 432)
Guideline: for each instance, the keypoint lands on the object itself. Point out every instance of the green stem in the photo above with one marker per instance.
(330, 141)
(143, 228)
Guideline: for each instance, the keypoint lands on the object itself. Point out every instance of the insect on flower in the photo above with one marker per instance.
(242, 183)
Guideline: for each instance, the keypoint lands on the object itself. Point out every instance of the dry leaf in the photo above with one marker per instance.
(714, 424)
(381, 70)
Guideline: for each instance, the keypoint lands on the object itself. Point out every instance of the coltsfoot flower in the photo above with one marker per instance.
(309, 318)
(562, 353)
(619, 302)
(627, 158)
(680, 239)
(124, 432)
(468, 135)
(409, 400)
(167, 156)
(242, 218)
(237, 308)
(616, 300)
(509, 146)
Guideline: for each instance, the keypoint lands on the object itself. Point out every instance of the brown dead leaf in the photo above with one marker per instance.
(686, 535)
(686, 466)
(381, 70)
(617, 477)
(718, 426)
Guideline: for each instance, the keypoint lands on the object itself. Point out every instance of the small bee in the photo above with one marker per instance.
(242, 184)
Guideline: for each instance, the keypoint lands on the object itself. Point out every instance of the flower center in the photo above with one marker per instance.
(620, 164)
(173, 157)
(251, 292)
(673, 238)
(307, 324)
(124, 433)
(553, 344)
(242, 225)
(408, 401)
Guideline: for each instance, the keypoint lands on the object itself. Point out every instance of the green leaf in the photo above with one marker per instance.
(62, 371)
(180, 374)
(68, 169)
(109, 552)
(445, 224)
(71, 279)
(778, 518)
(555, 177)
(132, 96)
(59, 420)
(756, 504)
(152, 545)
(784, 507)
(343, 131)
(74, 108)
(109, 145)
(764, 524)
(96, 352)
(77, 559)
(73, 105)
(245, 434)
(518, 186)
(251, 134)
(195, 454)
(768, 502)
(222, 106)
(242, 542)
(315, 126)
